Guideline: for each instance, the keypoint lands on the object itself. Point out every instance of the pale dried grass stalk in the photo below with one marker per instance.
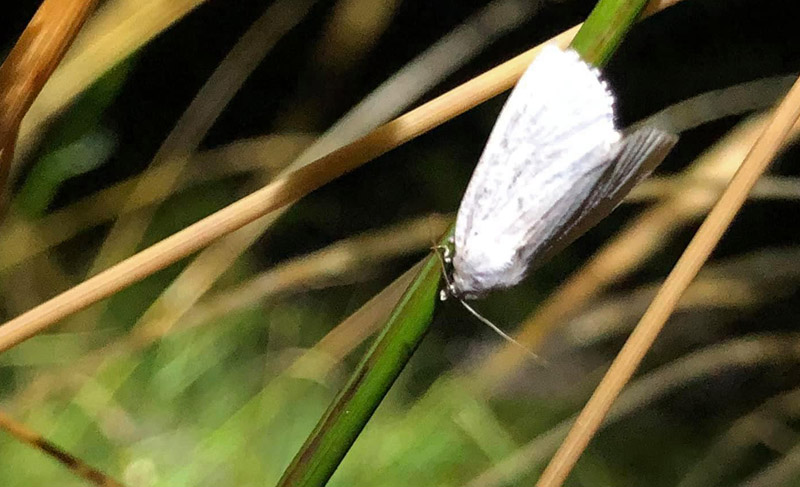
(21, 239)
(697, 252)
(336, 264)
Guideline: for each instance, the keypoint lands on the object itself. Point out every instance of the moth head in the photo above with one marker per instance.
(467, 287)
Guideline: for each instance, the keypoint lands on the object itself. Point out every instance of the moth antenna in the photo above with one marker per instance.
(501, 332)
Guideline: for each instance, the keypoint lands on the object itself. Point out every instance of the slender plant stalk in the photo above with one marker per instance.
(71, 462)
(604, 29)
(31, 62)
(333, 436)
(693, 258)
(353, 406)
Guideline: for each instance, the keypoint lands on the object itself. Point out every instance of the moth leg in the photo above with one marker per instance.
(445, 252)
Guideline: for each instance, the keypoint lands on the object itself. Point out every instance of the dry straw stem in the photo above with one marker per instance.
(746, 352)
(31, 62)
(115, 31)
(697, 252)
(272, 197)
(37, 441)
(739, 283)
(172, 157)
(354, 330)
(334, 265)
(767, 188)
(21, 239)
(330, 266)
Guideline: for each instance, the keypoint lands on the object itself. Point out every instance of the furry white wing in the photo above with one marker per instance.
(553, 138)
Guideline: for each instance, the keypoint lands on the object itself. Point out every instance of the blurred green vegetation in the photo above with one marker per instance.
(229, 401)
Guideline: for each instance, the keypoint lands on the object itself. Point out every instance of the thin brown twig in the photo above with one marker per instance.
(172, 158)
(21, 239)
(326, 267)
(116, 30)
(697, 252)
(31, 62)
(71, 462)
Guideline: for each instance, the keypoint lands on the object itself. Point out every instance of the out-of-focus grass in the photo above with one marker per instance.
(231, 401)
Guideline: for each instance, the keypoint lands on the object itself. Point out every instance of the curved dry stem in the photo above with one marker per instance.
(75, 465)
(22, 239)
(767, 188)
(117, 29)
(30, 64)
(751, 351)
(697, 252)
(337, 264)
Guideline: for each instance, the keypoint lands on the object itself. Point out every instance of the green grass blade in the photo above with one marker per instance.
(353, 406)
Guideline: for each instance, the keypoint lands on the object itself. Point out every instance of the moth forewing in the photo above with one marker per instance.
(553, 138)
(636, 156)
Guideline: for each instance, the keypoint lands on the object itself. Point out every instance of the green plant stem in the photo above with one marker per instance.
(354, 405)
(605, 28)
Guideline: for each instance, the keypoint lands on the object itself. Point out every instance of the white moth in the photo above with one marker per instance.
(554, 165)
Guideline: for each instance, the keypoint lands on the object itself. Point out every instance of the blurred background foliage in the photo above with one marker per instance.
(224, 390)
